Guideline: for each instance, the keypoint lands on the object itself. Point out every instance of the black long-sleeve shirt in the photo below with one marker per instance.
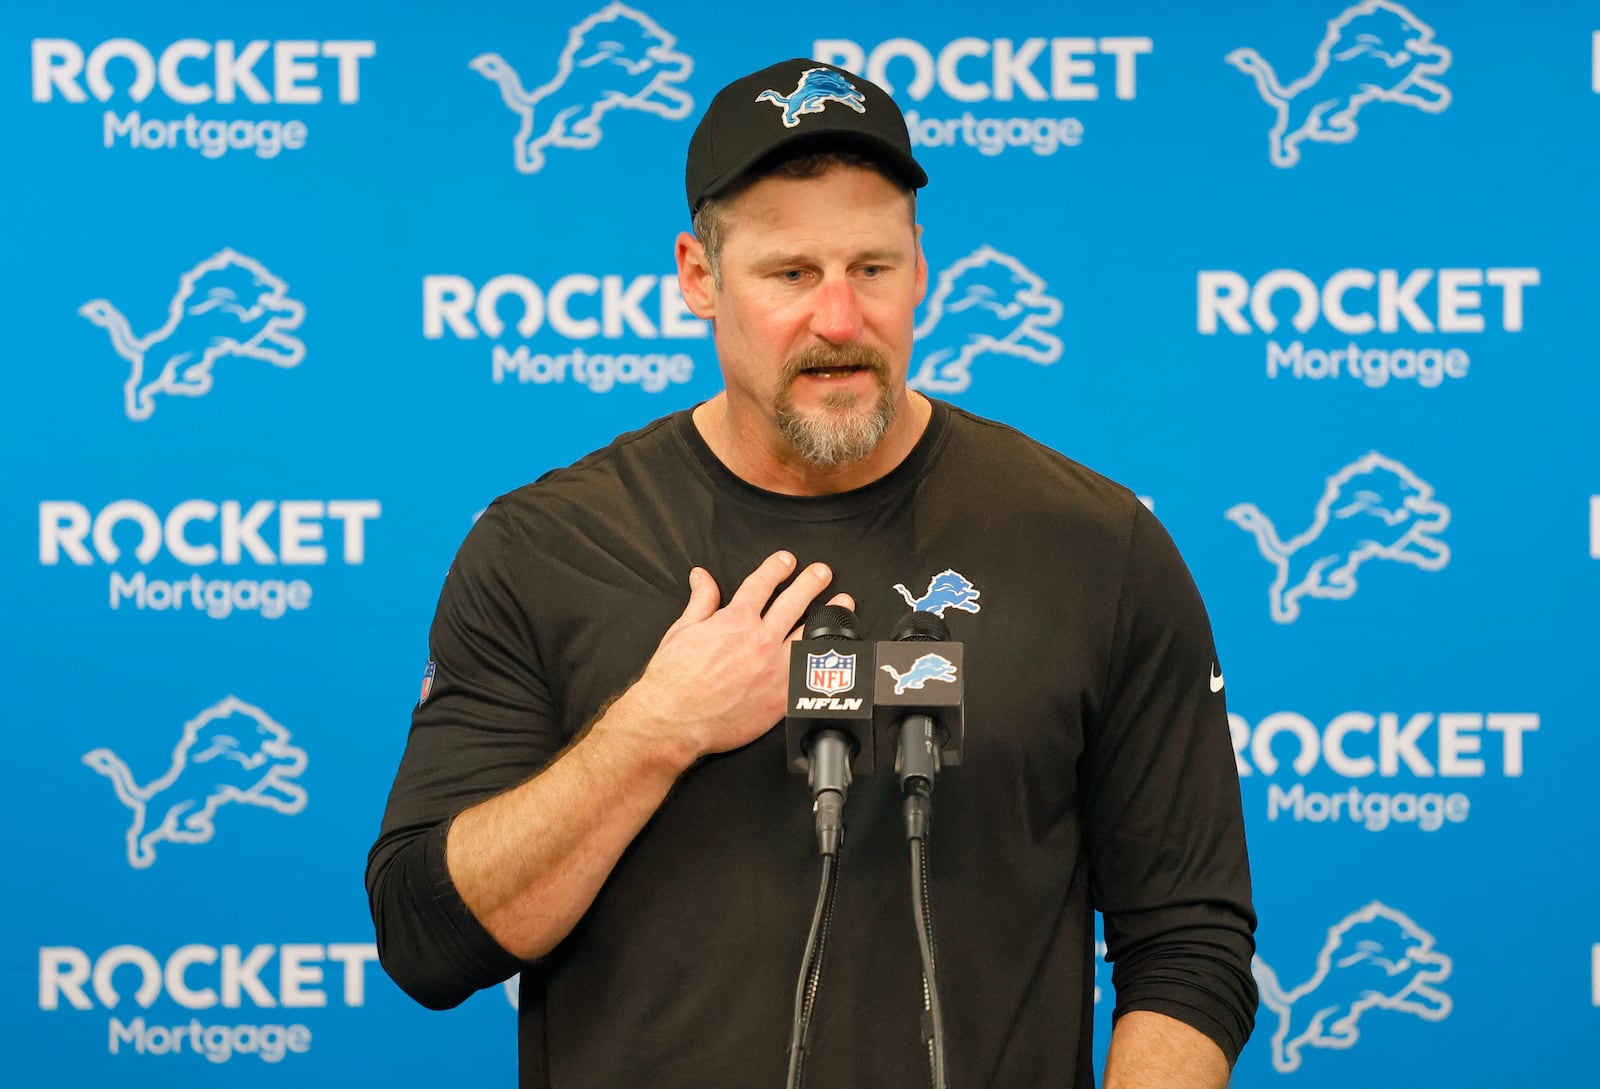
(1098, 775)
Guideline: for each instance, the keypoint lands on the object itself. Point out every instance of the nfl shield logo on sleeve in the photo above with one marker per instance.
(427, 682)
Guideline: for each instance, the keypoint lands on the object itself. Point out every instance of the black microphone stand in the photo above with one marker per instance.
(828, 755)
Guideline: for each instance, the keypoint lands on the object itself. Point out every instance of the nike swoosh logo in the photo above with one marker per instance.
(1216, 679)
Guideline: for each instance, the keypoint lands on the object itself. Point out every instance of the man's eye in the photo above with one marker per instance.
(792, 275)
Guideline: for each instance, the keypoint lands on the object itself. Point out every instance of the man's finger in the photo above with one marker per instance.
(756, 590)
(844, 600)
(704, 597)
(788, 607)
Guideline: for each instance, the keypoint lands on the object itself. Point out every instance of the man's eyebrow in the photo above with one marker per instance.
(880, 256)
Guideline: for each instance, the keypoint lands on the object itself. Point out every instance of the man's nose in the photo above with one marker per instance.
(837, 317)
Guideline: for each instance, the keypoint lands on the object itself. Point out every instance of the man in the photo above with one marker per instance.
(606, 808)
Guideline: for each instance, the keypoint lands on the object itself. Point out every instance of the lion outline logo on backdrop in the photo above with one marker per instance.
(817, 88)
(230, 752)
(229, 306)
(617, 58)
(1373, 508)
(1375, 51)
(1374, 958)
(986, 302)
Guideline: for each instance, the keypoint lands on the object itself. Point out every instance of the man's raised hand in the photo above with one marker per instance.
(719, 678)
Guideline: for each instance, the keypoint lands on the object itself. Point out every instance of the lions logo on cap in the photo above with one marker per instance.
(817, 88)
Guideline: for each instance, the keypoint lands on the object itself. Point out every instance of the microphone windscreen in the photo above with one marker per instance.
(920, 627)
(833, 622)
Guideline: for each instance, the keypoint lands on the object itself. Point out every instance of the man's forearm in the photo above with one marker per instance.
(1153, 1051)
(530, 861)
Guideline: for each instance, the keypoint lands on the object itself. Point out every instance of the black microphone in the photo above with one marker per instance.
(828, 723)
(918, 692)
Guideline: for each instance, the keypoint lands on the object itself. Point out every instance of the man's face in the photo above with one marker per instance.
(820, 281)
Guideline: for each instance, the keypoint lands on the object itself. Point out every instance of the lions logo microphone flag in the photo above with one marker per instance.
(919, 672)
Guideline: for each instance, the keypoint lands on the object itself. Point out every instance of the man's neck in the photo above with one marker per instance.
(761, 457)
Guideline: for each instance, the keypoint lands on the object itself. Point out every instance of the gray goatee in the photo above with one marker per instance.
(838, 433)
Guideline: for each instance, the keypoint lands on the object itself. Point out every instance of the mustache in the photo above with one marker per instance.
(828, 357)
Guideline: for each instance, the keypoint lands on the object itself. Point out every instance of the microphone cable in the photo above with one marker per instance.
(805, 991)
(917, 763)
(829, 759)
(917, 823)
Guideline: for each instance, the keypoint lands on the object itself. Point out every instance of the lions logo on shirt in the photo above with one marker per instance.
(949, 589)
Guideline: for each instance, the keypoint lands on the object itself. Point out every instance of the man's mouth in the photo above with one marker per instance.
(832, 372)
(835, 364)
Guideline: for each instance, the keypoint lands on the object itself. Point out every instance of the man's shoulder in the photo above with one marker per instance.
(607, 475)
(1021, 467)
(648, 444)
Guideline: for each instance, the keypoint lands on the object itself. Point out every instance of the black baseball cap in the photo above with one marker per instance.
(795, 102)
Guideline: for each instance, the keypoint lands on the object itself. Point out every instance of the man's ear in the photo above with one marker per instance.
(694, 277)
(922, 269)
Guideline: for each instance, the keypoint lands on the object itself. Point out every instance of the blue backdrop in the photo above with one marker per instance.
(294, 291)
